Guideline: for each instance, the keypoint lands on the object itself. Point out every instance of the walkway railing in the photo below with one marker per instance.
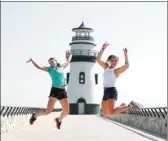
(152, 119)
(160, 112)
(10, 110)
(15, 117)
(80, 52)
(82, 38)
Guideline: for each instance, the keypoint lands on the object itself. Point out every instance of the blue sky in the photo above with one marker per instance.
(41, 30)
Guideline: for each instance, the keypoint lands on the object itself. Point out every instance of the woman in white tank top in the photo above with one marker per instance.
(109, 79)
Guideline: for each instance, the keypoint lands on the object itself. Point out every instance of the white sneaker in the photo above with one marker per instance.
(123, 104)
(134, 105)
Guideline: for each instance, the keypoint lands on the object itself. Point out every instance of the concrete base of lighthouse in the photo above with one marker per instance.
(83, 108)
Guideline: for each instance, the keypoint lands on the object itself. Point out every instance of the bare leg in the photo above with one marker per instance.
(114, 111)
(50, 106)
(65, 109)
(104, 107)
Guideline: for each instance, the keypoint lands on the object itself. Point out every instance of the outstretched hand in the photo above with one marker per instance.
(125, 50)
(105, 45)
(29, 60)
(69, 55)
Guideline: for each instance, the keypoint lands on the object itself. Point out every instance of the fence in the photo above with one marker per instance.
(15, 117)
(160, 112)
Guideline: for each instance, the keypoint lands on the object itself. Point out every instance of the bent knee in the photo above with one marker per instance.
(48, 111)
(112, 113)
(66, 112)
(105, 114)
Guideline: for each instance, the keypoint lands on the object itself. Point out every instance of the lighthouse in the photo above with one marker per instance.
(82, 79)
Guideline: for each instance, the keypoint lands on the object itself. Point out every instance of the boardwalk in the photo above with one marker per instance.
(78, 128)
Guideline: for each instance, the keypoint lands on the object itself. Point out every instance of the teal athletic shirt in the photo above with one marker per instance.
(57, 76)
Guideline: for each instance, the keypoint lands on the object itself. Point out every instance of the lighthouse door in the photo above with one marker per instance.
(81, 106)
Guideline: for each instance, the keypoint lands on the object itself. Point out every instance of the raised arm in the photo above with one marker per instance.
(100, 62)
(37, 66)
(126, 66)
(69, 57)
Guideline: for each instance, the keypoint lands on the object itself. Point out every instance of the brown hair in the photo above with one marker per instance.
(52, 58)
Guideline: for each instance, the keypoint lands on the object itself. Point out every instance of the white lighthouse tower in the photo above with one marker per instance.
(82, 79)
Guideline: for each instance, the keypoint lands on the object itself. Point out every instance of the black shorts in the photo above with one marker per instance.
(110, 93)
(58, 93)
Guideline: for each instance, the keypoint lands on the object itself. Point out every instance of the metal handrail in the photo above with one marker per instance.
(80, 52)
(82, 38)
(12, 110)
(159, 112)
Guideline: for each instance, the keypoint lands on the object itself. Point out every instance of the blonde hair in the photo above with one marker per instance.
(111, 57)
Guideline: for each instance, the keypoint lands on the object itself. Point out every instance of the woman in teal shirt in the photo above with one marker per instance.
(57, 92)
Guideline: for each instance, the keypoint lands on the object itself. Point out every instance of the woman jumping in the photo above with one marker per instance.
(109, 79)
(57, 92)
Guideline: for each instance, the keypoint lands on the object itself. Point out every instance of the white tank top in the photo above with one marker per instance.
(109, 78)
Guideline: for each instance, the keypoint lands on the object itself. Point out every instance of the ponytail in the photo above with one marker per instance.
(58, 65)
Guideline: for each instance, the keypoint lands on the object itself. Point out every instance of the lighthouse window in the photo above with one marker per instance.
(68, 74)
(96, 78)
(83, 34)
(82, 77)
